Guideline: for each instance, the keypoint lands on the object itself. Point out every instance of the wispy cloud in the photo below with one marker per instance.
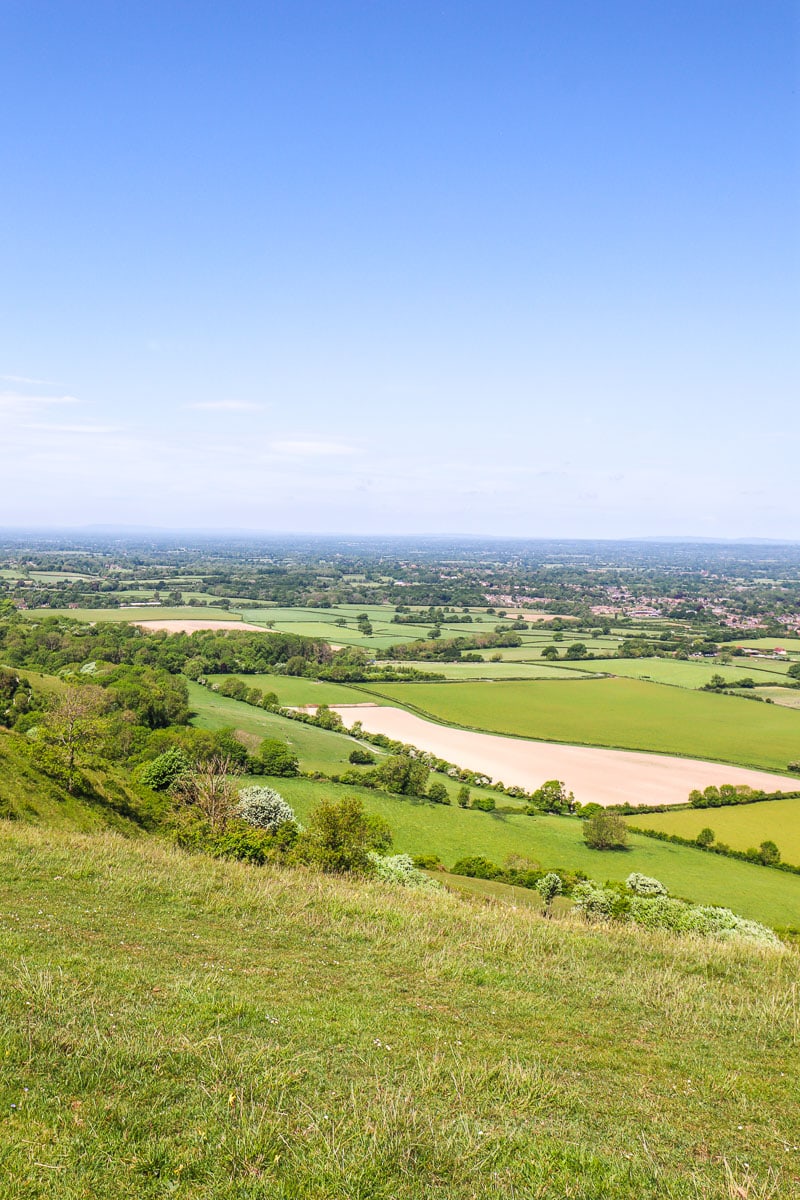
(225, 406)
(311, 449)
(22, 400)
(92, 429)
(25, 379)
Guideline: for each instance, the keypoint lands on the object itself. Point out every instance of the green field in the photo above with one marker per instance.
(626, 713)
(741, 826)
(423, 828)
(318, 749)
(786, 697)
(294, 691)
(490, 670)
(174, 1025)
(678, 672)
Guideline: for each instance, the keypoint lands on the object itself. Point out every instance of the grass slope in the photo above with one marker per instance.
(27, 794)
(423, 828)
(625, 713)
(177, 1026)
(318, 749)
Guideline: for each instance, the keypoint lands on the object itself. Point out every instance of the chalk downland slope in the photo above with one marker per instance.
(176, 1025)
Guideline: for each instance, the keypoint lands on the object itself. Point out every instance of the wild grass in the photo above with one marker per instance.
(178, 1026)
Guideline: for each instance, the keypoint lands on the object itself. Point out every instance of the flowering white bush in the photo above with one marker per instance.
(264, 808)
(399, 868)
(645, 885)
(661, 912)
(592, 900)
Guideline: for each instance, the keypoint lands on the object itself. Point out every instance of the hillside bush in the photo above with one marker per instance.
(164, 771)
(264, 808)
(645, 885)
(605, 831)
(276, 758)
(400, 869)
(341, 836)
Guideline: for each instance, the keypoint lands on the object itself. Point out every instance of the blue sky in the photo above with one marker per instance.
(359, 266)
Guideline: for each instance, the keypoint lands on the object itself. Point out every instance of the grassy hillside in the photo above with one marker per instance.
(318, 749)
(627, 713)
(423, 828)
(179, 1026)
(27, 794)
(741, 826)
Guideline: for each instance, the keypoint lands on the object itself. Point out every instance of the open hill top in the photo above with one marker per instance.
(172, 1025)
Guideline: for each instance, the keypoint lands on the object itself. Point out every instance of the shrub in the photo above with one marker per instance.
(361, 758)
(594, 901)
(400, 869)
(264, 808)
(605, 831)
(165, 770)
(462, 797)
(484, 803)
(705, 837)
(340, 837)
(438, 793)
(548, 887)
(475, 866)
(275, 758)
(645, 885)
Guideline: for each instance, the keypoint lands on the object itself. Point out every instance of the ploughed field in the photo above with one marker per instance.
(595, 775)
(626, 713)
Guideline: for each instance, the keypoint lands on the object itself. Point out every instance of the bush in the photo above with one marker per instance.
(484, 803)
(275, 758)
(705, 837)
(645, 885)
(475, 866)
(462, 797)
(438, 793)
(594, 901)
(341, 836)
(264, 808)
(605, 831)
(548, 887)
(361, 758)
(165, 770)
(400, 869)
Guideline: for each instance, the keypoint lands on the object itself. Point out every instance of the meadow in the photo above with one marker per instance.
(679, 673)
(174, 1025)
(624, 713)
(318, 749)
(420, 827)
(741, 826)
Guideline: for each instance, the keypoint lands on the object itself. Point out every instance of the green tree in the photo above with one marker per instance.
(438, 793)
(274, 757)
(705, 837)
(769, 853)
(341, 835)
(462, 797)
(550, 652)
(605, 831)
(403, 775)
(73, 728)
(548, 887)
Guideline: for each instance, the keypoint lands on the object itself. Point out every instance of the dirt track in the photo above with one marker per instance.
(602, 776)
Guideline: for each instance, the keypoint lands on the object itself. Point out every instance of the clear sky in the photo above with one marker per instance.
(471, 266)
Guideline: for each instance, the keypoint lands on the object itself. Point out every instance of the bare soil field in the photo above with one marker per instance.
(594, 775)
(194, 626)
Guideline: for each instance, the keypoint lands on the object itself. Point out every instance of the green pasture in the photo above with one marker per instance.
(489, 670)
(678, 672)
(317, 749)
(788, 642)
(420, 827)
(625, 713)
(293, 691)
(741, 825)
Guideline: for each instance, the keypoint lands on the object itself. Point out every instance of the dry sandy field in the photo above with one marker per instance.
(594, 775)
(193, 626)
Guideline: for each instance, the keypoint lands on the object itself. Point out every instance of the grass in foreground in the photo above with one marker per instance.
(627, 713)
(178, 1026)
